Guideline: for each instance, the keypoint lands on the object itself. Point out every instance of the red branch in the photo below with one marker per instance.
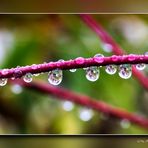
(106, 38)
(85, 101)
(73, 64)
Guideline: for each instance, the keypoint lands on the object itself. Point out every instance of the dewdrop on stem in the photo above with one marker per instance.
(99, 58)
(125, 71)
(111, 69)
(28, 77)
(3, 81)
(55, 76)
(140, 66)
(92, 73)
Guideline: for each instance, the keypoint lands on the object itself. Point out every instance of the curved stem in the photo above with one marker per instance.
(73, 64)
(85, 101)
(116, 49)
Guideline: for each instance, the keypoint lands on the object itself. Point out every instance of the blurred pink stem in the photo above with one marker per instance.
(84, 101)
(107, 39)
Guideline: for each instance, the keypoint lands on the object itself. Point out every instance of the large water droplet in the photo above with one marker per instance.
(3, 81)
(86, 114)
(99, 58)
(72, 70)
(68, 106)
(92, 73)
(55, 77)
(28, 77)
(125, 71)
(140, 66)
(111, 69)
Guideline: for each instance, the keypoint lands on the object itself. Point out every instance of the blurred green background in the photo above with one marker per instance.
(32, 39)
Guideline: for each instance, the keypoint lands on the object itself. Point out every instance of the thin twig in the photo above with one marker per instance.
(85, 101)
(116, 49)
(73, 64)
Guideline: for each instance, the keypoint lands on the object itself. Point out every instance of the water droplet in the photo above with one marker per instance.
(68, 106)
(3, 81)
(125, 123)
(55, 76)
(86, 114)
(92, 73)
(72, 70)
(34, 66)
(131, 57)
(98, 55)
(125, 71)
(5, 71)
(99, 58)
(28, 77)
(140, 66)
(114, 58)
(79, 60)
(111, 69)
(61, 60)
(16, 89)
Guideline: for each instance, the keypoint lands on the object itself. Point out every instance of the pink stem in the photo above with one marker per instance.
(73, 64)
(106, 38)
(85, 101)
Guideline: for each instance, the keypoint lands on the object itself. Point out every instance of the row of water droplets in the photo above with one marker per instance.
(92, 73)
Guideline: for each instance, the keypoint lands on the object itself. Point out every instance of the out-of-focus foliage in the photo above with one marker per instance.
(29, 39)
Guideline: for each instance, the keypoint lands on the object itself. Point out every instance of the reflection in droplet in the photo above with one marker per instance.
(92, 73)
(125, 71)
(28, 77)
(111, 69)
(55, 76)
